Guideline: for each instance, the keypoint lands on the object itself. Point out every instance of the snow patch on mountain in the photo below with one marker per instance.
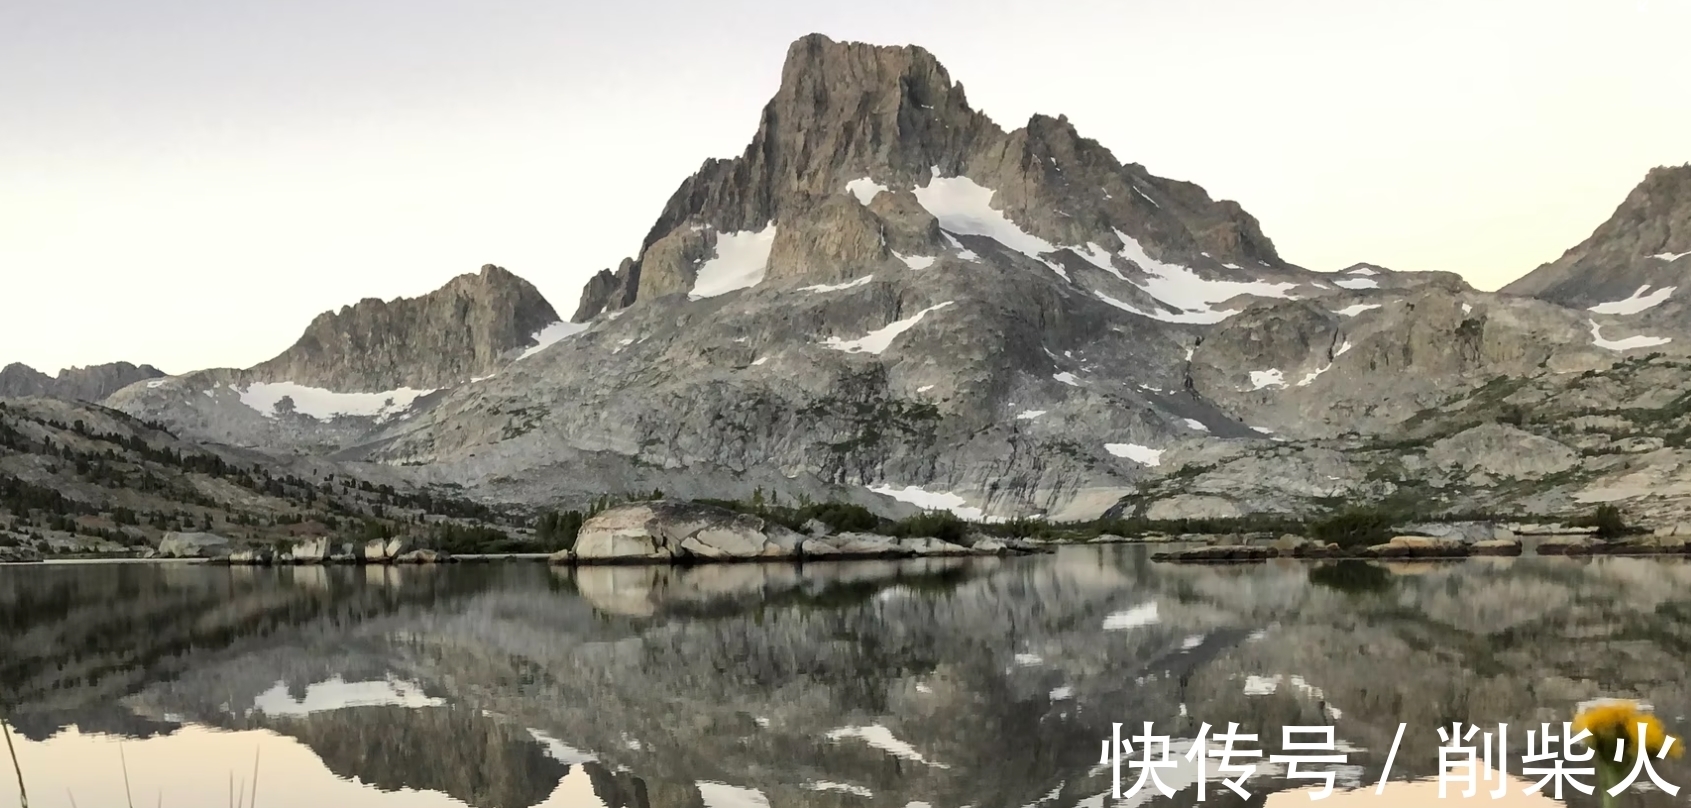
(838, 287)
(740, 261)
(916, 261)
(1638, 302)
(932, 500)
(962, 252)
(1267, 378)
(1193, 423)
(1143, 455)
(865, 189)
(1029, 415)
(1626, 344)
(964, 207)
(1184, 289)
(1670, 257)
(881, 338)
(1310, 378)
(1355, 309)
(546, 337)
(324, 405)
(1357, 283)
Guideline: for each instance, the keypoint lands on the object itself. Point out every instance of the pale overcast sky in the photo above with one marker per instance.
(189, 182)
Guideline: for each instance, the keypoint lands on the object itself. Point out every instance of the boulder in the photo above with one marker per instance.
(990, 547)
(869, 545)
(1567, 545)
(193, 545)
(1496, 547)
(396, 547)
(780, 542)
(310, 551)
(424, 557)
(817, 548)
(1290, 543)
(375, 552)
(927, 546)
(1027, 547)
(1418, 547)
(562, 557)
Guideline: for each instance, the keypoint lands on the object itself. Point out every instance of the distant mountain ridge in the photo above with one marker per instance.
(93, 383)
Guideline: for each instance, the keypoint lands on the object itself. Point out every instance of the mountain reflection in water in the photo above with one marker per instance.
(980, 682)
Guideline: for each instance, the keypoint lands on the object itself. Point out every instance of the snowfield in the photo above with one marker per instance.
(325, 405)
(1626, 344)
(1143, 455)
(740, 261)
(881, 338)
(1638, 302)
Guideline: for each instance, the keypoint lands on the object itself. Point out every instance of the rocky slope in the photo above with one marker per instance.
(92, 383)
(1632, 262)
(78, 478)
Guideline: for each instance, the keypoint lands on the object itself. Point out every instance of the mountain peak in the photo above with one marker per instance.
(889, 118)
(467, 327)
(1645, 242)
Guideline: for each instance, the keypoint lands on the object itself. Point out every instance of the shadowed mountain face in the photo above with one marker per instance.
(961, 683)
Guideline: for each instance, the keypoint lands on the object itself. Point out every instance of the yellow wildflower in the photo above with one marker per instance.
(1610, 721)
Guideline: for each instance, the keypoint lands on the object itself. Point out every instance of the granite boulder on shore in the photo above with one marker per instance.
(669, 531)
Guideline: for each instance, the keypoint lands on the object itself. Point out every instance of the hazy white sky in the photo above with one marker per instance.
(188, 182)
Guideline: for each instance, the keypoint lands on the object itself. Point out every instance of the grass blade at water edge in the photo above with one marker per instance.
(253, 803)
(23, 794)
(124, 761)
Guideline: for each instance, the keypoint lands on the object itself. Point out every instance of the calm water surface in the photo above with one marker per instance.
(985, 683)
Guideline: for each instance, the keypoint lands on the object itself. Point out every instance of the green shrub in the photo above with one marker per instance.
(1608, 521)
(942, 525)
(1354, 527)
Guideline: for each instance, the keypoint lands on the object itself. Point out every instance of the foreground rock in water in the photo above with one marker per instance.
(669, 531)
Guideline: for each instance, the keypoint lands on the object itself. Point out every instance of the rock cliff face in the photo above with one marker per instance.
(92, 383)
(467, 328)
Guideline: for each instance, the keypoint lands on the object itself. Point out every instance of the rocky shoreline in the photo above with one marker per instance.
(1409, 547)
(656, 532)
